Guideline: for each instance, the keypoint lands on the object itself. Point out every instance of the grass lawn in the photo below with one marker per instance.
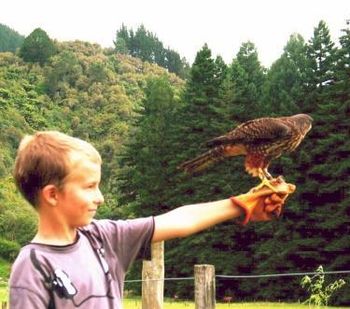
(3, 294)
(4, 273)
(135, 303)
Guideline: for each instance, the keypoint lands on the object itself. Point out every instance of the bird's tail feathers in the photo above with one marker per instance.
(198, 164)
(221, 140)
(203, 161)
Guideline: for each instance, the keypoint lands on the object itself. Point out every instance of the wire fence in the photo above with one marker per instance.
(4, 305)
(293, 274)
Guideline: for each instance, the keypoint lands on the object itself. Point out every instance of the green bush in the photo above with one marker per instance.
(8, 249)
(5, 269)
(319, 293)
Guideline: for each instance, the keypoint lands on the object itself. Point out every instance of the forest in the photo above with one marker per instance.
(147, 110)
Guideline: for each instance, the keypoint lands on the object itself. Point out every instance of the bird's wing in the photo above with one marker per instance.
(255, 131)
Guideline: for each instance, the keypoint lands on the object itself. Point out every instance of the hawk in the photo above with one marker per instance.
(260, 140)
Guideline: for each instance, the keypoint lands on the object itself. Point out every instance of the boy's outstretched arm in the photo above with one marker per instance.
(262, 205)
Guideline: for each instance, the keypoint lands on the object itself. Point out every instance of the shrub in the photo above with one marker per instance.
(8, 249)
(320, 294)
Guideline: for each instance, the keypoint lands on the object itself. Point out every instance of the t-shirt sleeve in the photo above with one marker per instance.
(23, 298)
(129, 239)
(26, 289)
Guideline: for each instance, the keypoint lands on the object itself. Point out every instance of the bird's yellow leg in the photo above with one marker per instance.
(266, 180)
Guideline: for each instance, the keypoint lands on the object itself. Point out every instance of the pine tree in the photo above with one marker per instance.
(173, 62)
(145, 173)
(284, 89)
(122, 42)
(247, 78)
(274, 250)
(201, 117)
(321, 65)
(337, 164)
(121, 46)
(310, 235)
(204, 116)
(146, 46)
(37, 47)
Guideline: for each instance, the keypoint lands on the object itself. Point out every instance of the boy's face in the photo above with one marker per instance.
(81, 196)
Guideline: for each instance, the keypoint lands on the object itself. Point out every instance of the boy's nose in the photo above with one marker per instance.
(99, 199)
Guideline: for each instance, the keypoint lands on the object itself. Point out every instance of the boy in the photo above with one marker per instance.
(75, 261)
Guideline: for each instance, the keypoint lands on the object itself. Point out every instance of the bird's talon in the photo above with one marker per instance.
(281, 177)
(267, 183)
(279, 180)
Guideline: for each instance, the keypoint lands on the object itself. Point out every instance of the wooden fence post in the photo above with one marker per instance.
(204, 285)
(153, 278)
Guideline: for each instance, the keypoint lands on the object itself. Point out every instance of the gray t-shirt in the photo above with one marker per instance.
(77, 275)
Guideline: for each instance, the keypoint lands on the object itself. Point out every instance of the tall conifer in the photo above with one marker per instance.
(283, 92)
(145, 173)
(37, 47)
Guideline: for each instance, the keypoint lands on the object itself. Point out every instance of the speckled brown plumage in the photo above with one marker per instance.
(260, 141)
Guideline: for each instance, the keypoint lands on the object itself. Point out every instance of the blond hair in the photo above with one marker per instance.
(46, 158)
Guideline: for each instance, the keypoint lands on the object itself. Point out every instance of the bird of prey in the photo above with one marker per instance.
(260, 140)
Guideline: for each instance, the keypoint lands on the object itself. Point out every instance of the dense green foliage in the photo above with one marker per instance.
(10, 40)
(145, 45)
(37, 47)
(145, 121)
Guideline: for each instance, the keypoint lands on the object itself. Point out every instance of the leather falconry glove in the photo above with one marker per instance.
(264, 204)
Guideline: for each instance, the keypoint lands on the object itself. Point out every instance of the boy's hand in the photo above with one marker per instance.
(264, 204)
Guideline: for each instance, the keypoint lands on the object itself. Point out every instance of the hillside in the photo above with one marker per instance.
(10, 39)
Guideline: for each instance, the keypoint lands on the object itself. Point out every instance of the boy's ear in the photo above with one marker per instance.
(49, 194)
